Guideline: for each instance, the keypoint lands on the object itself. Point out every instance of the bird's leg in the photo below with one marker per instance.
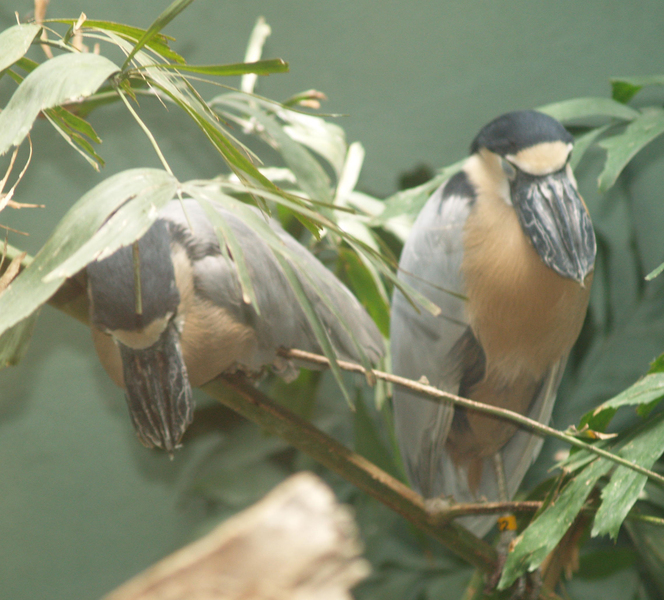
(527, 587)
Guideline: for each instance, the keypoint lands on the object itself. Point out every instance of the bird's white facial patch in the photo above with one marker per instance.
(541, 159)
(142, 338)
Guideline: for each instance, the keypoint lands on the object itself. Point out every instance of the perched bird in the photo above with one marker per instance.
(506, 249)
(194, 323)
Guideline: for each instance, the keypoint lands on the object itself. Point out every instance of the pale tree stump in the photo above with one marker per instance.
(297, 543)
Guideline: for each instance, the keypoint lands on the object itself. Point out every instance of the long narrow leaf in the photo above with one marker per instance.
(622, 148)
(309, 173)
(60, 80)
(261, 67)
(226, 236)
(544, 533)
(583, 108)
(626, 485)
(584, 142)
(159, 43)
(159, 23)
(127, 224)
(14, 342)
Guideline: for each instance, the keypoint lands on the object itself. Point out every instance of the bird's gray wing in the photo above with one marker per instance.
(421, 343)
(280, 322)
(517, 456)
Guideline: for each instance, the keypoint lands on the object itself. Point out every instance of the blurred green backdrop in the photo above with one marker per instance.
(82, 505)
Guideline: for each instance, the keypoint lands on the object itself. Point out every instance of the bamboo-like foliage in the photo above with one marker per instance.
(315, 186)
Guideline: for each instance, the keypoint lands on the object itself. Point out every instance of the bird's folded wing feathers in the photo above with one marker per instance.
(281, 322)
(517, 456)
(421, 342)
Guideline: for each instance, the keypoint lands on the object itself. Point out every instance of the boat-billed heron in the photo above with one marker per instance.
(506, 249)
(194, 323)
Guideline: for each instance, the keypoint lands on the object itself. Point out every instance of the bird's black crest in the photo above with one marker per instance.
(514, 131)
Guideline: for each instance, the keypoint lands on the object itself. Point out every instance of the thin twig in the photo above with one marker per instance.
(436, 395)
(145, 129)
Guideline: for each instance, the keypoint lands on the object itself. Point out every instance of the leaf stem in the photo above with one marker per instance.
(146, 130)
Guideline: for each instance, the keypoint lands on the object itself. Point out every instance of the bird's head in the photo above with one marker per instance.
(147, 334)
(531, 152)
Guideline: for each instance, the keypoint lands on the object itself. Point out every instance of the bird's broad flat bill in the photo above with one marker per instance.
(552, 214)
(158, 392)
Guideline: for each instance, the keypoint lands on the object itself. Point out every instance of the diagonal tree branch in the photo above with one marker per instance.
(435, 395)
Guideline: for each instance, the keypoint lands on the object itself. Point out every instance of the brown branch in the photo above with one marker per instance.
(257, 407)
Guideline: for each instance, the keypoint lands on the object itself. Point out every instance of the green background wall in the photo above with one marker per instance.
(82, 505)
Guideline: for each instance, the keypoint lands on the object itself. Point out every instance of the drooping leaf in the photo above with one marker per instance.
(173, 10)
(366, 289)
(584, 142)
(544, 533)
(583, 108)
(127, 224)
(655, 273)
(83, 220)
(310, 175)
(623, 490)
(14, 342)
(227, 237)
(410, 201)
(15, 42)
(158, 43)
(622, 148)
(644, 392)
(260, 67)
(623, 89)
(60, 80)
(73, 129)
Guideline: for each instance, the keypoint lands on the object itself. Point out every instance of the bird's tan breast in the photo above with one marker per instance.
(212, 340)
(525, 315)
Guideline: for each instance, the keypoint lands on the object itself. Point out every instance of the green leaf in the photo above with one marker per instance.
(261, 67)
(15, 41)
(644, 392)
(625, 88)
(14, 342)
(584, 142)
(625, 485)
(544, 533)
(227, 238)
(410, 201)
(622, 148)
(62, 79)
(310, 175)
(365, 288)
(159, 23)
(71, 127)
(159, 43)
(127, 224)
(582, 108)
(64, 251)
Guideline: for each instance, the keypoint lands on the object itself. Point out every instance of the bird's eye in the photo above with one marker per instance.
(508, 169)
